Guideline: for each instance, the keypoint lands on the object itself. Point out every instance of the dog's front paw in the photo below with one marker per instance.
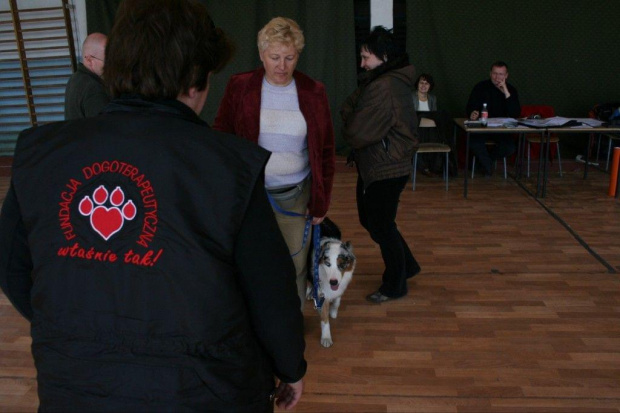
(309, 293)
(326, 335)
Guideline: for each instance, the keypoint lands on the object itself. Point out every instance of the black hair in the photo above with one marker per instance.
(162, 48)
(428, 78)
(499, 63)
(381, 43)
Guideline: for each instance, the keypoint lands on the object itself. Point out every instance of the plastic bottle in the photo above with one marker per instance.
(484, 115)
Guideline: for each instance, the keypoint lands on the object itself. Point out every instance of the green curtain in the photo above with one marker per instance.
(329, 55)
(100, 15)
(559, 53)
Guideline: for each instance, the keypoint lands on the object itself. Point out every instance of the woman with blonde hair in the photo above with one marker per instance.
(287, 113)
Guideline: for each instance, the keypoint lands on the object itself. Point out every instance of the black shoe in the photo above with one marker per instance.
(427, 172)
(379, 298)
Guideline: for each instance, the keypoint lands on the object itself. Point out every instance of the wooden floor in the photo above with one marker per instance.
(517, 308)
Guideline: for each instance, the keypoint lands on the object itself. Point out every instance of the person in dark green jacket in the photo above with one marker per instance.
(86, 94)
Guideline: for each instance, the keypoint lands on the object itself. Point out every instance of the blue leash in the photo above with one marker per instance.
(316, 235)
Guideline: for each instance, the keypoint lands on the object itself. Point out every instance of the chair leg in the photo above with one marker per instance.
(446, 170)
(608, 153)
(528, 159)
(559, 159)
(415, 167)
(473, 167)
(505, 171)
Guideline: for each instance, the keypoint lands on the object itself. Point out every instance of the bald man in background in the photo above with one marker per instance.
(86, 95)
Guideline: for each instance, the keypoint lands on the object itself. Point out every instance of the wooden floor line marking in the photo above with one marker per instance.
(610, 268)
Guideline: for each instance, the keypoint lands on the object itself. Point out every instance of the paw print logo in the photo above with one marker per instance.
(107, 221)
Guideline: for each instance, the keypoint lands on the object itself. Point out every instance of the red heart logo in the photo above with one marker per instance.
(106, 222)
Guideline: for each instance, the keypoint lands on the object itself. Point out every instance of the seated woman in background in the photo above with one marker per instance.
(423, 100)
(425, 103)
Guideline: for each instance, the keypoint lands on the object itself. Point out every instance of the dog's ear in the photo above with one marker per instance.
(348, 246)
(323, 250)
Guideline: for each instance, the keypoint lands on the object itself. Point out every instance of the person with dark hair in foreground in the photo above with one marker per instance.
(380, 124)
(502, 101)
(136, 260)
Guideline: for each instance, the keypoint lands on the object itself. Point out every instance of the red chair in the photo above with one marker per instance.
(533, 141)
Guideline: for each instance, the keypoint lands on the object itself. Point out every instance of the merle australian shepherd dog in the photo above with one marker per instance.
(336, 265)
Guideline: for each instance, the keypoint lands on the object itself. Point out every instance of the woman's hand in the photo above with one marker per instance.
(351, 159)
(315, 220)
(288, 394)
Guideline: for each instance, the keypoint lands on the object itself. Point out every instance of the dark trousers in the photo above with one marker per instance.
(377, 207)
(504, 146)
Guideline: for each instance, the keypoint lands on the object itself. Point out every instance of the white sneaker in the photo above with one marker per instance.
(579, 158)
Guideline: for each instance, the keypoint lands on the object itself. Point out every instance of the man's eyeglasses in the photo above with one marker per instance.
(96, 58)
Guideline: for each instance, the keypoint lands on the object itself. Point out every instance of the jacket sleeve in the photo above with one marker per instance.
(329, 150)
(15, 259)
(513, 107)
(267, 277)
(224, 119)
(368, 115)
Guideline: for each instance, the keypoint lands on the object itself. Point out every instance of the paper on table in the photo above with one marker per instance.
(545, 123)
(558, 121)
(582, 126)
(500, 122)
(594, 123)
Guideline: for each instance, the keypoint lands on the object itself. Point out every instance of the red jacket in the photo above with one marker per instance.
(239, 113)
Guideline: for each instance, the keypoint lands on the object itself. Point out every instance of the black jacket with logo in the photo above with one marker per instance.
(142, 248)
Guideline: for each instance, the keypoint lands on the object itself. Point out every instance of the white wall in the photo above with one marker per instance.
(79, 25)
(381, 13)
